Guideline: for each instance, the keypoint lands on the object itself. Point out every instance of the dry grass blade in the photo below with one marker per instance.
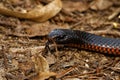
(36, 14)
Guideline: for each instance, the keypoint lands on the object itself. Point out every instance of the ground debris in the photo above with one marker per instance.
(23, 53)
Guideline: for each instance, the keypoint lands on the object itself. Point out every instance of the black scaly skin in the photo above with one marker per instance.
(84, 40)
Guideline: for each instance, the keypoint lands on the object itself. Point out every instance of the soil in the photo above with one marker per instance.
(22, 39)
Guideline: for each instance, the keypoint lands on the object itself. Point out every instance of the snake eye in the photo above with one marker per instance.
(59, 38)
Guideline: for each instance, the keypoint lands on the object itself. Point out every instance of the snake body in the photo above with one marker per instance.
(85, 40)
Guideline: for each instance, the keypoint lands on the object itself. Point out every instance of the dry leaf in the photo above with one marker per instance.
(36, 14)
(42, 64)
(49, 11)
(72, 79)
(39, 29)
(2, 73)
(44, 75)
(100, 4)
(51, 59)
(78, 5)
(42, 68)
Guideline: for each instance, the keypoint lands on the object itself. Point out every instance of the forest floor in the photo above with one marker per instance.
(22, 42)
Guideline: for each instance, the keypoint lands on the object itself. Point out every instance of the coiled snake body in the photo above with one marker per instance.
(84, 40)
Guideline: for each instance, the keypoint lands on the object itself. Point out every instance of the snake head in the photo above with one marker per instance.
(63, 36)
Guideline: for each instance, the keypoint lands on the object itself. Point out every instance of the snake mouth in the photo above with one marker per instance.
(52, 45)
